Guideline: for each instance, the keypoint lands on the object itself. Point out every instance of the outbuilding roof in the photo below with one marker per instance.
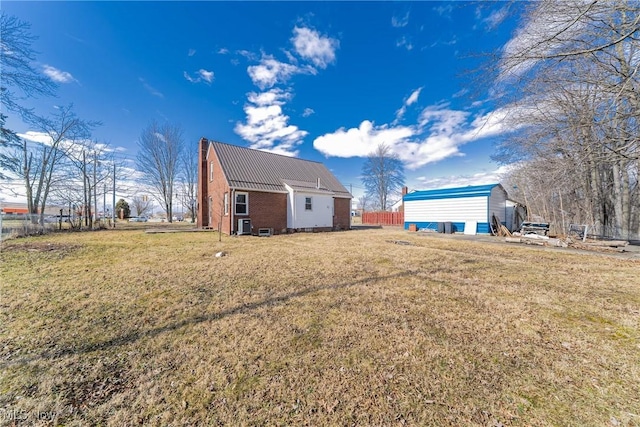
(250, 169)
(453, 193)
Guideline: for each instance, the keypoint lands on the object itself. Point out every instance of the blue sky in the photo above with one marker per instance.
(323, 81)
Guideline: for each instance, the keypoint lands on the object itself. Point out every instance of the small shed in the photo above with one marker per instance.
(450, 209)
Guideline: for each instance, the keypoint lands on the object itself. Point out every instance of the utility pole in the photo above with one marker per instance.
(104, 203)
(85, 207)
(95, 191)
(113, 213)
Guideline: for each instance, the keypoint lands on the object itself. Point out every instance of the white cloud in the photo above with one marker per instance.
(267, 128)
(153, 91)
(249, 55)
(401, 21)
(412, 99)
(189, 78)
(460, 93)
(439, 133)
(441, 119)
(73, 147)
(223, 51)
(311, 46)
(58, 76)
(439, 42)
(271, 97)
(160, 136)
(495, 18)
(191, 52)
(206, 75)
(307, 112)
(270, 72)
(203, 74)
(360, 141)
(34, 136)
(479, 178)
(404, 42)
(444, 10)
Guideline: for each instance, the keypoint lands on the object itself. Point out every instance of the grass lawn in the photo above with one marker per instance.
(119, 327)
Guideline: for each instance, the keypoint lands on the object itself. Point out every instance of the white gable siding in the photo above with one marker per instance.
(320, 215)
(440, 210)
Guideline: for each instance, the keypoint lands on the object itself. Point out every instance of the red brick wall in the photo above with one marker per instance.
(266, 210)
(216, 190)
(341, 214)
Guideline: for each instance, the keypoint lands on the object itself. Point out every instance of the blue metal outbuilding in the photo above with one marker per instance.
(462, 206)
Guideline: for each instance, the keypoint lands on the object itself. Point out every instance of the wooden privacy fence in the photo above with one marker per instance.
(383, 218)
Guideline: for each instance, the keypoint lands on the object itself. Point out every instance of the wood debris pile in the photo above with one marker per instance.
(568, 242)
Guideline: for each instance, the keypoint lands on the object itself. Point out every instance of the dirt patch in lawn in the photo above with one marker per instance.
(41, 246)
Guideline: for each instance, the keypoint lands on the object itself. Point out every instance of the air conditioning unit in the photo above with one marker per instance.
(244, 226)
(264, 232)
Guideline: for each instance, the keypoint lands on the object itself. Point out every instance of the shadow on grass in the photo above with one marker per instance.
(240, 309)
(365, 227)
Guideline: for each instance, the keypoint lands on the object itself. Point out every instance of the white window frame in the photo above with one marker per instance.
(310, 208)
(246, 202)
(226, 204)
(211, 171)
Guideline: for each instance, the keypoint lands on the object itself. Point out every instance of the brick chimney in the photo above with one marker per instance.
(405, 190)
(203, 189)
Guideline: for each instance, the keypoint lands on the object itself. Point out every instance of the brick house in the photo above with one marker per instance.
(254, 192)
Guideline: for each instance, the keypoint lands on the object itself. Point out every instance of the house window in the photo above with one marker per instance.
(211, 171)
(242, 203)
(226, 204)
(307, 203)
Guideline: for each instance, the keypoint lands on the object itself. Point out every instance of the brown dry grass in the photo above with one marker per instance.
(126, 328)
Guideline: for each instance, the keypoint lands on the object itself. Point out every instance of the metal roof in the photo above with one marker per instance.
(453, 193)
(307, 187)
(250, 169)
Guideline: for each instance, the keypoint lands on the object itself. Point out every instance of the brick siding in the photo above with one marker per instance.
(266, 210)
(216, 190)
(341, 214)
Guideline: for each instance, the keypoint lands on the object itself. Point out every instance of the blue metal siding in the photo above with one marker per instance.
(458, 227)
(452, 193)
(456, 205)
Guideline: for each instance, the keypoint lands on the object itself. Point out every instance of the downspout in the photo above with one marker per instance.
(293, 209)
(232, 207)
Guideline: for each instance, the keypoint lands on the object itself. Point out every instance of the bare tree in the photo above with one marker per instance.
(570, 78)
(141, 204)
(91, 171)
(8, 139)
(18, 79)
(160, 148)
(189, 180)
(38, 163)
(363, 202)
(382, 175)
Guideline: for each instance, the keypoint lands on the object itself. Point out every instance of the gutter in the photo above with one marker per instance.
(232, 207)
